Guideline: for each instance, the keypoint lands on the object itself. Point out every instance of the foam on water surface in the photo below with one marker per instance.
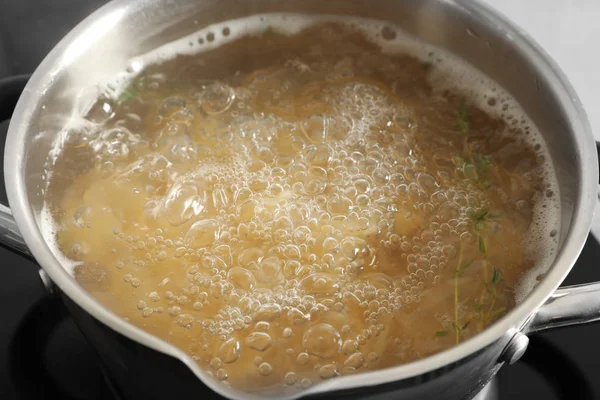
(449, 72)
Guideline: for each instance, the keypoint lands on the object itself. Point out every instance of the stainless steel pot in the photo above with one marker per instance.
(144, 365)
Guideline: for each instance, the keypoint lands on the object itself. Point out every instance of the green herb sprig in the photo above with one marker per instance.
(131, 91)
(463, 118)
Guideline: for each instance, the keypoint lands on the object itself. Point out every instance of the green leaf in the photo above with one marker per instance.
(482, 162)
(465, 325)
(478, 218)
(477, 306)
(479, 225)
(442, 333)
(456, 327)
(490, 286)
(461, 270)
(463, 125)
(479, 215)
(497, 275)
(131, 91)
(482, 247)
(497, 312)
(126, 96)
(463, 118)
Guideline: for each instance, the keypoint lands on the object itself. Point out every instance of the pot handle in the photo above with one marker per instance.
(571, 305)
(10, 237)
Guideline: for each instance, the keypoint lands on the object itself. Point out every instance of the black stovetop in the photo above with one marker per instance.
(559, 364)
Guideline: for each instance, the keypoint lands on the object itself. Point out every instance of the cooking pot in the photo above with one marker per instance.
(143, 366)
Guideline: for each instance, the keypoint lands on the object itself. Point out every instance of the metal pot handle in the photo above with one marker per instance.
(570, 305)
(10, 237)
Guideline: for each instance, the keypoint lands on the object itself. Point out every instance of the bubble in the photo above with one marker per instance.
(263, 153)
(101, 111)
(339, 204)
(297, 317)
(427, 182)
(247, 210)
(353, 247)
(303, 358)
(265, 369)
(305, 383)
(283, 223)
(202, 233)
(269, 270)
(241, 278)
(268, 312)
(262, 326)
(290, 378)
(215, 363)
(315, 128)
(82, 216)
(229, 351)
(216, 98)
(259, 341)
(185, 320)
(314, 187)
(174, 311)
(291, 268)
(250, 257)
(355, 360)
(330, 244)
(380, 176)
(287, 332)
(320, 283)
(318, 155)
(322, 340)
(222, 374)
(292, 252)
(328, 371)
(170, 105)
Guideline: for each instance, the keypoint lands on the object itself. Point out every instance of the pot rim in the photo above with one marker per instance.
(576, 236)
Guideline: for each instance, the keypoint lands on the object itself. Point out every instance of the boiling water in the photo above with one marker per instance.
(290, 205)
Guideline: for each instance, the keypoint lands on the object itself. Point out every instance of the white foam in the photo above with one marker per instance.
(283, 23)
(448, 72)
(48, 228)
